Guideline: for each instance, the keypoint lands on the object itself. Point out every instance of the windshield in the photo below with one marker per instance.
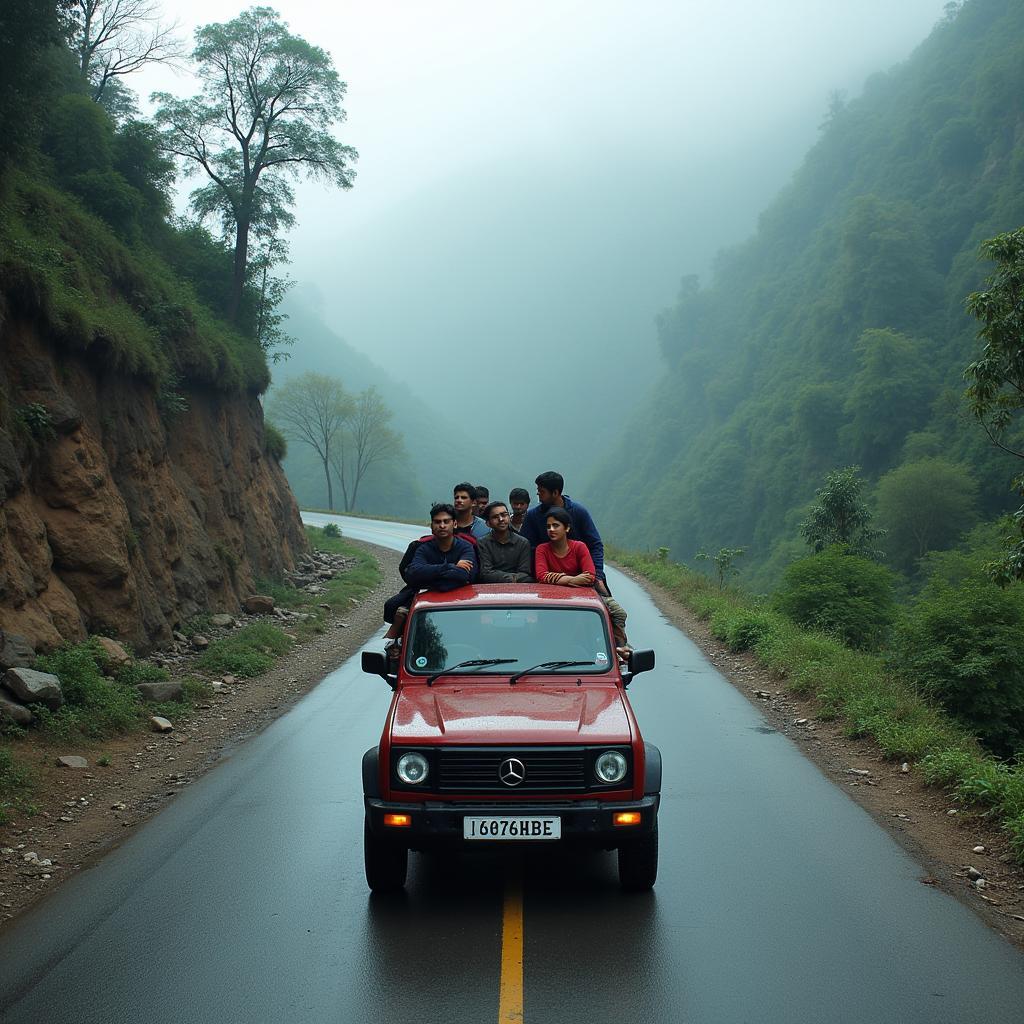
(520, 637)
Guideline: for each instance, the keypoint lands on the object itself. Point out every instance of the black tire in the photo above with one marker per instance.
(386, 863)
(638, 862)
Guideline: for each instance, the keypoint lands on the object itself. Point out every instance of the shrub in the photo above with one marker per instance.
(964, 646)
(743, 629)
(246, 653)
(331, 530)
(275, 444)
(839, 593)
(94, 705)
(15, 783)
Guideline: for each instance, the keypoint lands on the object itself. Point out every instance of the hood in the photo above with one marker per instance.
(481, 712)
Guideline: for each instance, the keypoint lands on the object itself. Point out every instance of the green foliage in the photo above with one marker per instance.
(744, 629)
(275, 444)
(95, 705)
(924, 506)
(723, 561)
(996, 380)
(839, 593)
(15, 784)
(964, 644)
(331, 530)
(838, 516)
(247, 652)
(36, 420)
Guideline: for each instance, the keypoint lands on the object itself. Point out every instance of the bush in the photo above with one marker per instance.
(275, 444)
(743, 629)
(15, 783)
(93, 704)
(246, 653)
(331, 530)
(964, 645)
(839, 593)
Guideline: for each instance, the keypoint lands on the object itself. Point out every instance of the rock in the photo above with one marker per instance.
(979, 883)
(72, 761)
(12, 711)
(228, 680)
(258, 604)
(222, 620)
(157, 693)
(217, 687)
(119, 806)
(115, 654)
(952, 811)
(800, 721)
(979, 849)
(16, 652)
(179, 638)
(857, 771)
(974, 874)
(200, 642)
(32, 687)
(905, 768)
(160, 724)
(325, 607)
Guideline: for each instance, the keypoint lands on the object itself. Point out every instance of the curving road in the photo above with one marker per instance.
(779, 899)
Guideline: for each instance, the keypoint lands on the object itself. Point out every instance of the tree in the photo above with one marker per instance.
(839, 516)
(366, 441)
(995, 388)
(312, 409)
(723, 561)
(925, 506)
(113, 38)
(268, 102)
(269, 291)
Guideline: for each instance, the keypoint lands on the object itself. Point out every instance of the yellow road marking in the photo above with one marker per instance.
(510, 1000)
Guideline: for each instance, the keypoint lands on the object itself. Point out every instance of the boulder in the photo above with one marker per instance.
(72, 761)
(12, 711)
(222, 620)
(32, 687)
(157, 693)
(15, 652)
(200, 642)
(258, 604)
(114, 653)
(160, 724)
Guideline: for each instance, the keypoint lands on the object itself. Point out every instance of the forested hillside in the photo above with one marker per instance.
(837, 335)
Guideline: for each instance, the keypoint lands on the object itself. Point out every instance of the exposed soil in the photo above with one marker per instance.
(935, 830)
(83, 813)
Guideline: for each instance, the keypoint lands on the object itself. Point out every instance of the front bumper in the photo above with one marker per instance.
(583, 821)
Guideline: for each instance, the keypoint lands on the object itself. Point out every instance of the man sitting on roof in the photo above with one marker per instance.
(505, 557)
(467, 524)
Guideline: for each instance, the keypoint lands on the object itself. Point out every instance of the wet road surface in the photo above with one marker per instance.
(778, 899)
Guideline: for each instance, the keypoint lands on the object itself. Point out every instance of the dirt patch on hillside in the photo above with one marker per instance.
(938, 832)
(83, 813)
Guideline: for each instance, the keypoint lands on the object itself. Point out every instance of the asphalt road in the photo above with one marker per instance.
(779, 899)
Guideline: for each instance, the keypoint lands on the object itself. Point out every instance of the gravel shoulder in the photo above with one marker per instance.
(84, 813)
(936, 831)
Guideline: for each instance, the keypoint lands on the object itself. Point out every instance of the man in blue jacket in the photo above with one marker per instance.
(442, 562)
(549, 493)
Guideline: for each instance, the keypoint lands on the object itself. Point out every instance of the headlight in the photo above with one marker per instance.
(610, 767)
(411, 769)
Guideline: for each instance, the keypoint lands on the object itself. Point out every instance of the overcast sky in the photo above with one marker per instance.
(534, 178)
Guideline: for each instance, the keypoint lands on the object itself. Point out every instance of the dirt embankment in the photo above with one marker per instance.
(125, 510)
(83, 813)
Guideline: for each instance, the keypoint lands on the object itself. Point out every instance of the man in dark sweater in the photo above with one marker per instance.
(439, 562)
(505, 557)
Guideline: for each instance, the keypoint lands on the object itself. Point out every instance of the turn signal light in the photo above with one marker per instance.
(626, 818)
(398, 820)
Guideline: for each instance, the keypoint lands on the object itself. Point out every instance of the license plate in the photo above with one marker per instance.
(512, 828)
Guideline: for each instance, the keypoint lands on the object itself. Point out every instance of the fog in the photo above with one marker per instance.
(534, 180)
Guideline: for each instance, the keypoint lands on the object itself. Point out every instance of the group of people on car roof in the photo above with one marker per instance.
(475, 540)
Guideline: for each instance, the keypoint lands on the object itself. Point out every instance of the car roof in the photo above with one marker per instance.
(525, 594)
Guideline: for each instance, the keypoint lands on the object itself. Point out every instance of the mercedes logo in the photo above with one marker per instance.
(512, 771)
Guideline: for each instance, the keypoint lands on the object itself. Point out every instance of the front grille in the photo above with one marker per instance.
(548, 769)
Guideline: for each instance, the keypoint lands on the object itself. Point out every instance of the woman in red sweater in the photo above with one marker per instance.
(567, 563)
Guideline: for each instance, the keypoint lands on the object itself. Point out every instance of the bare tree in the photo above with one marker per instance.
(366, 441)
(312, 409)
(118, 37)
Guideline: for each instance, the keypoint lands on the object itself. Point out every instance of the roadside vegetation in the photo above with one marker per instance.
(101, 700)
(902, 682)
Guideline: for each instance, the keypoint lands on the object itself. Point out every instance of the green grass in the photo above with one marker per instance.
(247, 652)
(853, 687)
(15, 785)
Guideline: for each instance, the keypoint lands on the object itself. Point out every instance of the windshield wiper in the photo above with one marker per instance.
(475, 663)
(547, 664)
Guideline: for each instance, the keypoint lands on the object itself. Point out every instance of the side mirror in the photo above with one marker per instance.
(639, 661)
(376, 664)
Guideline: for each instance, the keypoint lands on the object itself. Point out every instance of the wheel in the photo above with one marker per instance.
(638, 862)
(386, 863)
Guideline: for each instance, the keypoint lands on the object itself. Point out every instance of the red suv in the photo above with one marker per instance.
(510, 723)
